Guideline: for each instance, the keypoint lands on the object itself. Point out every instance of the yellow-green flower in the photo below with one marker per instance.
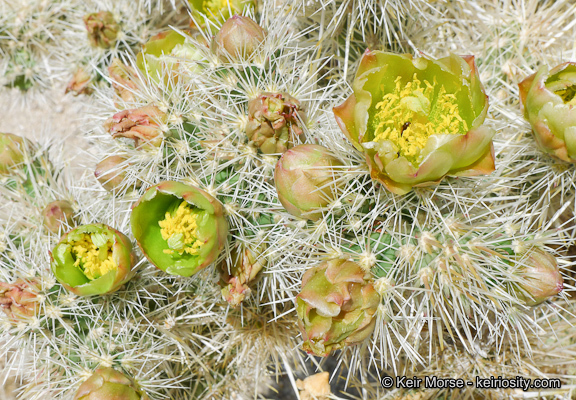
(418, 119)
(93, 259)
(549, 102)
(181, 229)
(217, 10)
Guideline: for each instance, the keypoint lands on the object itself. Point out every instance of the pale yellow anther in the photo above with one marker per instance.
(92, 260)
(409, 115)
(181, 228)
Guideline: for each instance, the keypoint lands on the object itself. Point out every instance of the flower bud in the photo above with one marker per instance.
(12, 150)
(93, 259)
(336, 306)
(305, 181)
(20, 299)
(109, 384)
(110, 173)
(246, 264)
(58, 215)
(102, 29)
(180, 228)
(238, 39)
(80, 83)
(541, 278)
(122, 79)
(273, 120)
(140, 124)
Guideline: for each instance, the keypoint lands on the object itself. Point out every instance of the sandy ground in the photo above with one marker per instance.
(48, 115)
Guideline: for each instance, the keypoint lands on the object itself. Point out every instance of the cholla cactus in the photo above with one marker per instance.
(467, 276)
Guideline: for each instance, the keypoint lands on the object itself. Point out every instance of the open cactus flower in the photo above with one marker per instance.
(180, 228)
(93, 259)
(549, 103)
(336, 306)
(109, 384)
(418, 119)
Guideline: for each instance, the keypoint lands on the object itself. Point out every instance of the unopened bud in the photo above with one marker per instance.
(122, 79)
(237, 276)
(110, 173)
(58, 215)
(20, 299)
(102, 29)
(542, 278)
(109, 384)
(273, 121)
(140, 124)
(12, 149)
(238, 39)
(305, 180)
(80, 83)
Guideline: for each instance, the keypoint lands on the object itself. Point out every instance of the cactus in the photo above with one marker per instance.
(258, 210)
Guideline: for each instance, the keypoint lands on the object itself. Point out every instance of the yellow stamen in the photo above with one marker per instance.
(409, 115)
(215, 6)
(94, 261)
(180, 230)
(568, 95)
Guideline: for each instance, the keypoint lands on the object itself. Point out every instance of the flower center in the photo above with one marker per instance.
(413, 112)
(568, 94)
(215, 6)
(179, 229)
(93, 255)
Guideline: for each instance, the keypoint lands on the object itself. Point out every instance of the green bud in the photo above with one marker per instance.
(12, 150)
(180, 228)
(336, 306)
(93, 259)
(109, 384)
(305, 181)
(238, 39)
(102, 29)
(58, 215)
